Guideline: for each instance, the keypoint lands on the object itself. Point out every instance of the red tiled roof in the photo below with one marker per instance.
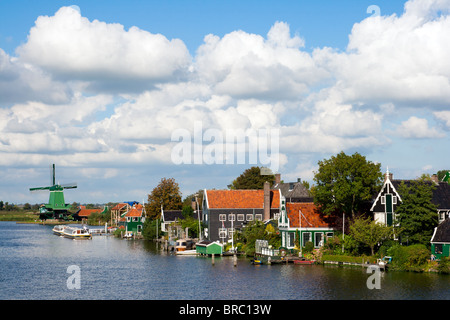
(134, 212)
(311, 217)
(88, 212)
(119, 206)
(241, 199)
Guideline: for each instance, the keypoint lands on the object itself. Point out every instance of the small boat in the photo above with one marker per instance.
(77, 233)
(256, 261)
(383, 263)
(128, 235)
(187, 253)
(183, 245)
(59, 230)
(304, 262)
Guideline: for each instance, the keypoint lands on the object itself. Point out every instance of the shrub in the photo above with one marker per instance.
(309, 247)
(410, 258)
(444, 265)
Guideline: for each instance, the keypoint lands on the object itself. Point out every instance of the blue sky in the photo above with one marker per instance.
(101, 91)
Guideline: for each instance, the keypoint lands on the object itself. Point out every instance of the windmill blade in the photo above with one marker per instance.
(69, 185)
(52, 174)
(39, 189)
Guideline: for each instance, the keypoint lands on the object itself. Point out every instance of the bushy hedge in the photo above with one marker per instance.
(409, 258)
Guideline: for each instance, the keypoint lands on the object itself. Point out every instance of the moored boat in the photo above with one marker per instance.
(77, 233)
(59, 230)
(304, 262)
(184, 244)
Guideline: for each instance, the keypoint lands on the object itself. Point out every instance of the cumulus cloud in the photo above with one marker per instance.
(20, 82)
(105, 54)
(247, 65)
(92, 94)
(399, 59)
(418, 128)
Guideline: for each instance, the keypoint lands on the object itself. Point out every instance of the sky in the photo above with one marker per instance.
(120, 94)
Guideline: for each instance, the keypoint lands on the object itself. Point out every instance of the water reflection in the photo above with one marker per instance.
(34, 264)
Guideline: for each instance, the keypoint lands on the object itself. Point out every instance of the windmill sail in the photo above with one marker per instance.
(56, 206)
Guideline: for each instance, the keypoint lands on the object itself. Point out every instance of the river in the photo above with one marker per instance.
(35, 264)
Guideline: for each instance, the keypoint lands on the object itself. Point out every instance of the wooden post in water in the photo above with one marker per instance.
(212, 261)
(235, 260)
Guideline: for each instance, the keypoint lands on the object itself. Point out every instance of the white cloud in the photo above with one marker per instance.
(417, 128)
(444, 117)
(398, 59)
(72, 47)
(246, 65)
(20, 82)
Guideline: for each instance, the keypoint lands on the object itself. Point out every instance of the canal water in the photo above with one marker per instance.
(35, 264)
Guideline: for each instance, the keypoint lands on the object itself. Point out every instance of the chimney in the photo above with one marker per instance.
(277, 178)
(435, 178)
(266, 201)
(388, 175)
(193, 204)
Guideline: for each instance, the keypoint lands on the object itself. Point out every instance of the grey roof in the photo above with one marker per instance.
(294, 190)
(441, 194)
(442, 233)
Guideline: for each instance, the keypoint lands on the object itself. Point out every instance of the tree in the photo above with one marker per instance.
(188, 200)
(369, 232)
(251, 179)
(442, 174)
(346, 184)
(416, 214)
(167, 194)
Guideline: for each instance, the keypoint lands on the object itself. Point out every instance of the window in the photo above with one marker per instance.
(222, 232)
(128, 219)
(291, 239)
(249, 217)
(383, 200)
(258, 217)
(318, 239)
(230, 232)
(135, 219)
(231, 217)
(306, 238)
(438, 248)
(240, 217)
(394, 199)
(222, 217)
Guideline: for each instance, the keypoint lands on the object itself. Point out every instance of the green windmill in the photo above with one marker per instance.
(56, 208)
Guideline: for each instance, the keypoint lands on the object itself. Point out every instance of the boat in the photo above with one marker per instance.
(256, 261)
(59, 230)
(128, 235)
(383, 263)
(77, 233)
(183, 245)
(187, 253)
(304, 262)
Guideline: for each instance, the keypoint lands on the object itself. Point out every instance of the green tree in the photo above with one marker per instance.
(442, 173)
(188, 200)
(251, 179)
(167, 194)
(150, 228)
(257, 230)
(416, 214)
(346, 184)
(369, 233)
(187, 211)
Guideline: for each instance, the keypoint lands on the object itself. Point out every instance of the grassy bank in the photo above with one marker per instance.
(20, 216)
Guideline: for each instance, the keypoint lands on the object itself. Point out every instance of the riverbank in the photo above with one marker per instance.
(19, 216)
